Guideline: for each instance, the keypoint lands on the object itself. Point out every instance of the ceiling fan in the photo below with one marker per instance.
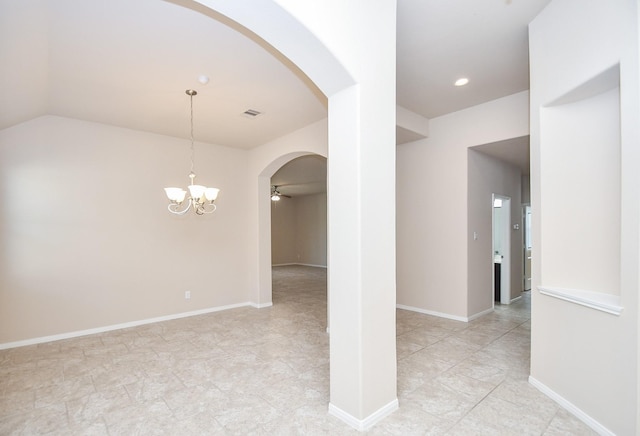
(276, 195)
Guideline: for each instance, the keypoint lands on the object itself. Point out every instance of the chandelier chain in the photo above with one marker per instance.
(193, 150)
(201, 198)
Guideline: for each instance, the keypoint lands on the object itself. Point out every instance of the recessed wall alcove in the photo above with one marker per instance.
(581, 209)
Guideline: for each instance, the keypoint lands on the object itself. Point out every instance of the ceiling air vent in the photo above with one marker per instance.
(251, 113)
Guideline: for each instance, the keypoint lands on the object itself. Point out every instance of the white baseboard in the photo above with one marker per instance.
(125, 325)
(434, 313)
(513, 300)
(369, 421)
(571, 408)
(300, 264)
(479, 314)
(261, 305)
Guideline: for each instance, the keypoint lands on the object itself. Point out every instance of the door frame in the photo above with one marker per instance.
(505, 233)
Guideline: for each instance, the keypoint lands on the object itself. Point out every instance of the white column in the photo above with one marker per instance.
(348, 49)
(361, 225)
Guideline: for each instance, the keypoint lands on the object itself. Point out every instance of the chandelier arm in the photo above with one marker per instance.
(173, 208)
(203, 208)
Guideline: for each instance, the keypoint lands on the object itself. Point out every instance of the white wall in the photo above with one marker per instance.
(85, 237)
(525, 194)
(585, 131)
(582, 200)
(299, 230)
(283, 232)
(432, 186)
(311, 243)
(488, 176)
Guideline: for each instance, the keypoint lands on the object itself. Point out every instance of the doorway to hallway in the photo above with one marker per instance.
(501, 237)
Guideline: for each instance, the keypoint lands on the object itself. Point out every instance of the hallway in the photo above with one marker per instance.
(454, 378)
(247, 371)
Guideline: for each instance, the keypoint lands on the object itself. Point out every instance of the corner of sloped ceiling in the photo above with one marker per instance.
(24, 48)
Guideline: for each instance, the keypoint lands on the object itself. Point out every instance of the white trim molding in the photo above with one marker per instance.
(571, 408)
(438, 314)
(312, 265)
(369, 421)
(261, 305)
(446, 315)
(595, 300)
(299, 264)
(125, 325)
(479, 314)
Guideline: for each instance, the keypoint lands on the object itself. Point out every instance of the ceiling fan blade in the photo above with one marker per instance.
(276, 191)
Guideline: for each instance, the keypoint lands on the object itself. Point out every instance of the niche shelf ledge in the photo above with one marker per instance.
(595, 300)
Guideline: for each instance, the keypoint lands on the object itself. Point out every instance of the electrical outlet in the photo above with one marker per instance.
(187, 295)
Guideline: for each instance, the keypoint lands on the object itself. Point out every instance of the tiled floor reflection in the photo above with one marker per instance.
(266, 372)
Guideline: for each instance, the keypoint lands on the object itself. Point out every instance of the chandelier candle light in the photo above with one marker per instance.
(200, 198)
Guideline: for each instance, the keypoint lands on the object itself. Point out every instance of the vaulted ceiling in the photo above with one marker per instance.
(128, 64)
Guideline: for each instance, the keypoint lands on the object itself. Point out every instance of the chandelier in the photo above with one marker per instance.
(200, 198)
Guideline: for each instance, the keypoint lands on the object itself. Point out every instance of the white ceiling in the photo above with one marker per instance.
(514, 151)
(441, 40)
(305, 175)
(128, 63)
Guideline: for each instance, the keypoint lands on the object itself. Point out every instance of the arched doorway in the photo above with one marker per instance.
(299, 226)
(299, 213)
(264, 279)
(350, 57)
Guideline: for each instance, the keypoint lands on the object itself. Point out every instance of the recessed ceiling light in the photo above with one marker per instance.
(461, 81)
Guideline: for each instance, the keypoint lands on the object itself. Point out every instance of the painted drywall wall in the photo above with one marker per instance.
(311, 240)
(299, 230)
(487, 176)
(283, 232)
(86, 239)
(525, 193)
(582, 66)
(432, 185)
(574, 206)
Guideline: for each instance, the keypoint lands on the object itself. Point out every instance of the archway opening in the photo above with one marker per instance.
(299, 213)
(302, 185)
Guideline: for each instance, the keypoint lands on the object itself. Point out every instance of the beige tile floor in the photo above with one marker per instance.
(265, 372)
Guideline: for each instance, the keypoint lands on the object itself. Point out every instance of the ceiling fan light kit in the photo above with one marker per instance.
(201, 198)
(276, 195)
